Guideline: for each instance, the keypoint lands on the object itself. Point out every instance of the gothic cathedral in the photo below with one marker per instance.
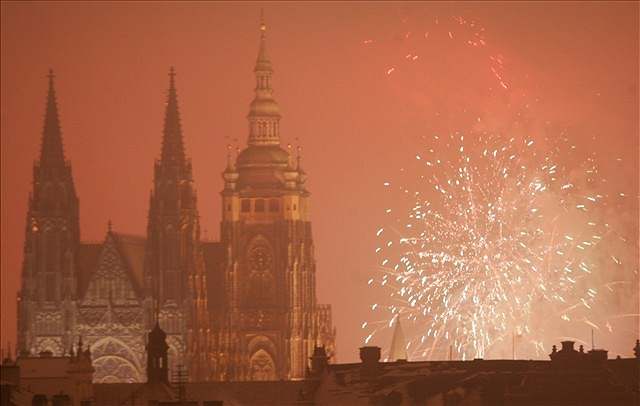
(242, 308)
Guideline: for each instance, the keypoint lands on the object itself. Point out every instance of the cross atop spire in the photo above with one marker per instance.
(52, 151)
(172, 144)
(172, 78)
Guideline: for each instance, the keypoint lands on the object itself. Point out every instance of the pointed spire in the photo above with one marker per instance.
(52, 151)
(398, 348)
(264, 113)
(172, 144)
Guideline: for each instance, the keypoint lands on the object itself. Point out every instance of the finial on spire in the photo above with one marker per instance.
(172, 78)
(263, 26)
(109, 226)
(51, 76)
(289, 148)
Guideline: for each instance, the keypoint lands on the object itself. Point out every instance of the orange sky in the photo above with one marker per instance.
(576, 62)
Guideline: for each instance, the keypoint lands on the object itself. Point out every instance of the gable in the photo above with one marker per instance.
(111, 279)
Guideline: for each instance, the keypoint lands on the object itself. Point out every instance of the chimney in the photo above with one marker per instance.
(370, 357)
(319, 361)
(567, 345)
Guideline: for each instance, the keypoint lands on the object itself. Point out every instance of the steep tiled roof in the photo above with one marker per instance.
(132, 248)
(214, 257)
(86, 261)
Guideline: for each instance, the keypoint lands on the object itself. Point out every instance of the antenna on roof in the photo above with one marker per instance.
(593, 343)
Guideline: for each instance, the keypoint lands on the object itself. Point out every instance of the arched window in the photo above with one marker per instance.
(274, 205)
(259, 205)
(262, 367)
(39, 400)
(245, 205)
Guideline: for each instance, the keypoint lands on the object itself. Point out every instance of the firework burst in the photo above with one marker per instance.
(499, 243)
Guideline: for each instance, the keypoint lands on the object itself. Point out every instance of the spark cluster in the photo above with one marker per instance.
(497, 247)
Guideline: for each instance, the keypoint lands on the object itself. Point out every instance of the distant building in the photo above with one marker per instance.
(243, 308)
(571, 378)
(46, 379)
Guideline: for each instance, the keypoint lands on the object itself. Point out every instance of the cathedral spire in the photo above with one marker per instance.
(172, 144)
(52, 151)
(264, 113)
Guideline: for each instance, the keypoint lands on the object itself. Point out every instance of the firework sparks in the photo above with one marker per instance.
(454, 28)
(498, 240)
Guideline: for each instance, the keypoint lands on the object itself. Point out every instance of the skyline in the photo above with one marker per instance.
(338, 106)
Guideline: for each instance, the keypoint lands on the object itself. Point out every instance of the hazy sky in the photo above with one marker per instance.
(350, 91)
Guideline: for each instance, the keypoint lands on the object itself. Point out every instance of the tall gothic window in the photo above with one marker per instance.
(172, 283)
(52, 251)
(50, 287)
(261, 290)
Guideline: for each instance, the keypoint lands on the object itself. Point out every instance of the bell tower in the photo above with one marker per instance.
(46, 301)
(272, 320)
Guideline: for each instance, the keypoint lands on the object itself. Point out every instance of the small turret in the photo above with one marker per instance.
(157, 356)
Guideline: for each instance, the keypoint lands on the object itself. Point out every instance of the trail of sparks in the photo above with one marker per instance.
(496, 246)
(454, 28)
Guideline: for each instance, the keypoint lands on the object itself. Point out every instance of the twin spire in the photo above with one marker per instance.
(52, 150)
(173, 153)
(264, 116)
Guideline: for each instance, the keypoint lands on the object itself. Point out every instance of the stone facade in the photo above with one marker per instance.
(243, 308)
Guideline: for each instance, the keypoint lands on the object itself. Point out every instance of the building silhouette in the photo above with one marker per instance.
(242, 308)
(569, 378)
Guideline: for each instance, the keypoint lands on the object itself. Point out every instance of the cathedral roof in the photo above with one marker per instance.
(132, 248)
(86, 261)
